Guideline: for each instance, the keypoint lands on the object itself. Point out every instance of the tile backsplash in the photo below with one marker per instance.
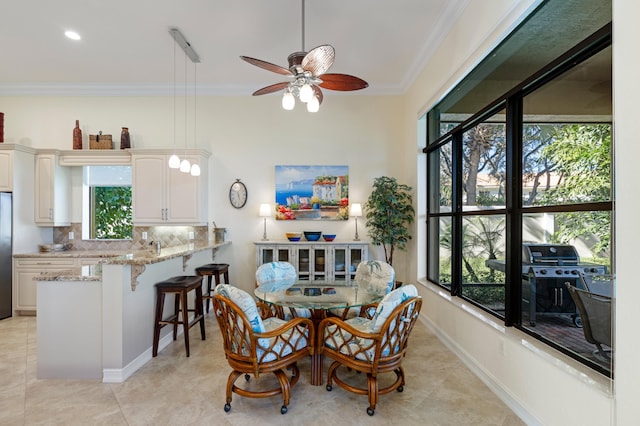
(169, 236)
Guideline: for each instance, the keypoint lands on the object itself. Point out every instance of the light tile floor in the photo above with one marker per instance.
(174, 390)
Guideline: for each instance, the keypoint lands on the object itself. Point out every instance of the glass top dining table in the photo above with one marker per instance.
(318, 297)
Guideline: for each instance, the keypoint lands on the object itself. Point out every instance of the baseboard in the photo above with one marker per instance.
(119, 375)
(470, 363)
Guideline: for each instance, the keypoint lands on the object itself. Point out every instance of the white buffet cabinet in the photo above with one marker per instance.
(316, 260)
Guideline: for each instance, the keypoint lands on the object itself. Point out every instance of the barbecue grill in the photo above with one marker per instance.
(545, 269)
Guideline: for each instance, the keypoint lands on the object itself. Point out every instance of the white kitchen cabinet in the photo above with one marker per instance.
(315, 261)
(52, 189)
(6, 171)
(24, 285)
(167, 196)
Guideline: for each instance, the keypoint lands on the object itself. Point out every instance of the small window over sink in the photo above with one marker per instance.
(106, 194)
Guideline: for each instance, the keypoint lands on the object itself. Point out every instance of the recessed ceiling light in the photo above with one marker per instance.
(72, 35)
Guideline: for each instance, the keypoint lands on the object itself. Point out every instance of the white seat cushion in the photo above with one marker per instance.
(276, 276)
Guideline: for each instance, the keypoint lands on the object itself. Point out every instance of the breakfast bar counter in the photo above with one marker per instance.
(97, 322)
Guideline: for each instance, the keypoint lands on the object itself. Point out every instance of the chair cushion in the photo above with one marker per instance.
(245, 302)
(389, 303)
(276, 276)
(297, 342)
(375, 276)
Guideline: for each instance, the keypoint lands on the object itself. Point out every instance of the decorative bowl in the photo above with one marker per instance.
(329, 237)
(312, 235)
(294, 236)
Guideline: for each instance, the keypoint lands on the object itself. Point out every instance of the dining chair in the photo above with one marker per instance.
(372, 346)
(373, 276)
(254, 346)
(277, 276)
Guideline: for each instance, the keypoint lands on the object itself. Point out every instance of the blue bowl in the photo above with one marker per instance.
(294, 238)
(329, 237)
(312, 236)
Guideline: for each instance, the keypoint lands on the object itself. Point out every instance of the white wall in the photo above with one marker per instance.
(247, 137)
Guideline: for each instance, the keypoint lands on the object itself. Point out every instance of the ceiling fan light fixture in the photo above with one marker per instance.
(306, 93)
(288, 101)
(313, 105)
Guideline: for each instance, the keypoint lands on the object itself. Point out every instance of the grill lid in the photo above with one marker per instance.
(550, 254)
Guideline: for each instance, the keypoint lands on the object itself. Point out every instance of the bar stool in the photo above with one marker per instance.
(213, 270)
(180, 286)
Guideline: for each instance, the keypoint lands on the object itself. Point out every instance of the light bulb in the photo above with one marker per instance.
(174, 162)
(195, 170)
(313, 105)
(288, 101)
(306, 93)
(185, 166)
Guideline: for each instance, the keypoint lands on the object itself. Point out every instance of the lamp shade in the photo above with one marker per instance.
(288, 101)
(265, 210)
(356, 210)
(195, 170)
(174, 162)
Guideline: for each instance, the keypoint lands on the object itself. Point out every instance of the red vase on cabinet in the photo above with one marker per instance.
(77, 136)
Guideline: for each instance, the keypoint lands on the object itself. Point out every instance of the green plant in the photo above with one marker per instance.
(389, 212)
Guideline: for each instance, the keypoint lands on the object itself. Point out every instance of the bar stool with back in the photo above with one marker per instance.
(213, 270)
(179, 286)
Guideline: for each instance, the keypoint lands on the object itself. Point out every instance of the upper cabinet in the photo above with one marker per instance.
(52, 188)
(6, 171)
(164, 196)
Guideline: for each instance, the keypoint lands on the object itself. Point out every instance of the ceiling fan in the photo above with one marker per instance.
(308, 71)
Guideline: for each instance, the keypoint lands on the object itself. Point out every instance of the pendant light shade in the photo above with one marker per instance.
(288, 101)
(313, 105)
(174, 162)
(195, 170)
(185, 166)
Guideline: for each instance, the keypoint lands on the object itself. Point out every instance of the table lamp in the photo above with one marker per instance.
(356, 211)
(265, 212)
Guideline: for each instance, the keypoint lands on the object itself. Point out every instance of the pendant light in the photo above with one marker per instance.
(174, 161)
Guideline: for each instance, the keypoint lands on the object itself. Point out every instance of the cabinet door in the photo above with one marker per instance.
(52, 189)
(148, 189)
(356, 255)
(320, 263)
(25, 287)
(303, 262)
(6, 171)
(339, 261)
(183, 196)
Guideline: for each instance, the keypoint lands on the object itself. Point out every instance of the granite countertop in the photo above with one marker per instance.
(84, 273)
(136, 257)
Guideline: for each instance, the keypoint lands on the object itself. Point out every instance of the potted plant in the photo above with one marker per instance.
(389, 212)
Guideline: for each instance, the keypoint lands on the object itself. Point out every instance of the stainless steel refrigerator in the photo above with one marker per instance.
(5, 254)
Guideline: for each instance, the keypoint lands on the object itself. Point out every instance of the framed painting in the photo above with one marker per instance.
(312, 192)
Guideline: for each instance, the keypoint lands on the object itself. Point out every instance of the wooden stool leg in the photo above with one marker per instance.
(176, 314)
(199, 312)
(157, 326)
(208, 291)
(185, 319)
(226, 276)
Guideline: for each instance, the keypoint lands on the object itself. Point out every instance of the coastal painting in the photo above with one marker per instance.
(312, 192)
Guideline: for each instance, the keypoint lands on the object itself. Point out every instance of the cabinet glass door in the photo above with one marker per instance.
(283, 255)
(340, 263)
(356, 255)
(320, 262)
(304, 263)
(266, 255)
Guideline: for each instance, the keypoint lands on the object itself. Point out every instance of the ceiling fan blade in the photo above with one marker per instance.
(343, 82)
(319, 59)
(270, 89)
(318, 93)
(267, 65)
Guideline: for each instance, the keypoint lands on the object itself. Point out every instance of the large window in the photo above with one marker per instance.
(520, 196)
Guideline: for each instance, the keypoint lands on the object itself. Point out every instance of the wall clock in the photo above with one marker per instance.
(238, 194)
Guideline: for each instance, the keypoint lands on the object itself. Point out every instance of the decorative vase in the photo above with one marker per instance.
(125, 141)
(77, 136)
